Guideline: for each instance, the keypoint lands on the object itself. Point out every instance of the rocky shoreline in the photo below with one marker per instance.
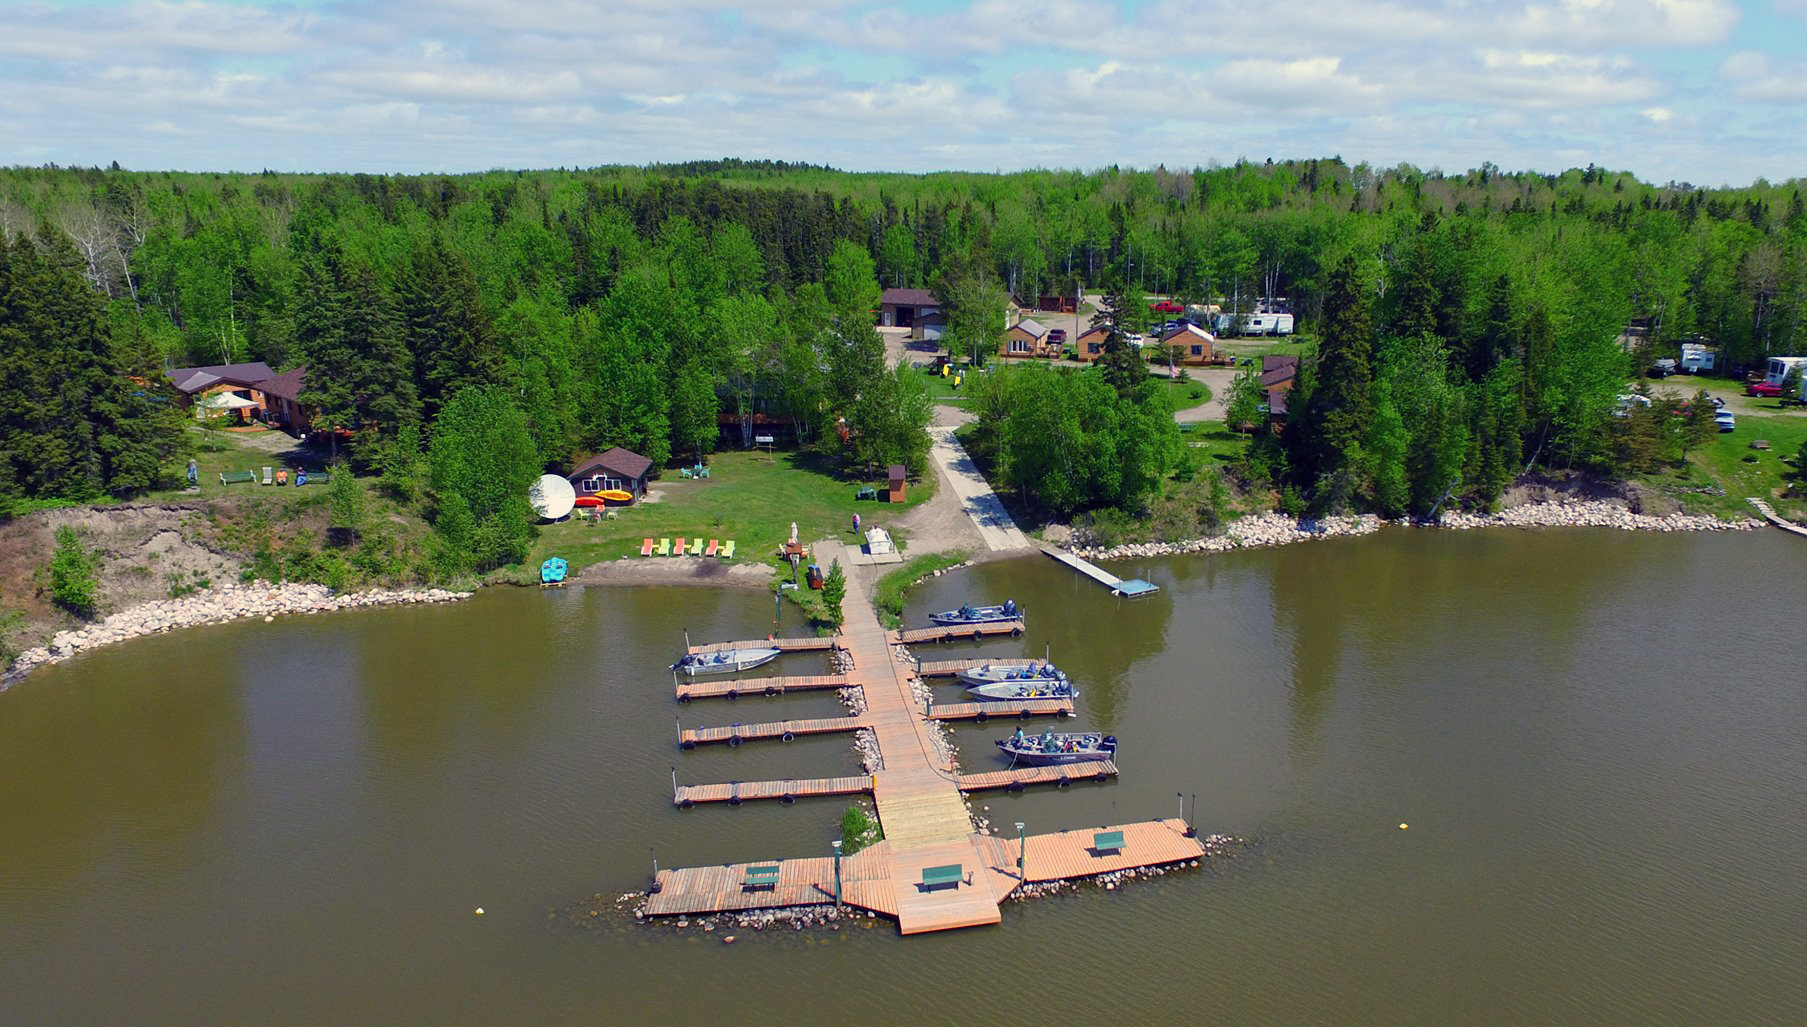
(213, 606)
(1274, 529)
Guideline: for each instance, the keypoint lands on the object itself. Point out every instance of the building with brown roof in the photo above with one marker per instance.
(899, 308)
(616, 470)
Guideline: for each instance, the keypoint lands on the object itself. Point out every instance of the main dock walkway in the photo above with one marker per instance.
(926, 824)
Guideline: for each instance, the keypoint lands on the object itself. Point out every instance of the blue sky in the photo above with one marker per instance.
(1704, 91)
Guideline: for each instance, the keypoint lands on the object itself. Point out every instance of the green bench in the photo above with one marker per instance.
(761, 877)
(934, 877)
(1107, 841)
(866, 493)
(237, 477)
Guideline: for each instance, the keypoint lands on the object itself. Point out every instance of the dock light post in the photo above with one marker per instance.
(1022, 867)
(837, 873)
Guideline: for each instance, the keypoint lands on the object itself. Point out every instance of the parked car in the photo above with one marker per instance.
(1662, 368)
(1725, 420)
(1762, 389)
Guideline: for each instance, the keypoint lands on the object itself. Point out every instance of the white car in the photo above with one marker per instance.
(1725, 420)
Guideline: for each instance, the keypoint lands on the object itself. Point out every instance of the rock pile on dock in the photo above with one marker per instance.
(865, 743)
(216, 606)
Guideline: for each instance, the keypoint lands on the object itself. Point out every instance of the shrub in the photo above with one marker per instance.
(74, 579)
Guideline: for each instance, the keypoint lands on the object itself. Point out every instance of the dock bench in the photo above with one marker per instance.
(761, 877)
(1107, 841)
(934, 877)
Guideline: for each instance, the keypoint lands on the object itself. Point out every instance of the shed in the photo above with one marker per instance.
(618, 470)
(895, 494)
(899, 308)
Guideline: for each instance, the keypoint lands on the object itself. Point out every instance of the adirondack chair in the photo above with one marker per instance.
(664, 547)
(680, 549)
(646, 547)
(713, 546)
(728, 550)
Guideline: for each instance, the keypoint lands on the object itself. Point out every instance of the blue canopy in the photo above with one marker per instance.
(552, 571)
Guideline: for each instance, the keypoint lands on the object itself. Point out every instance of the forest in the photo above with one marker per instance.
(1467, 324)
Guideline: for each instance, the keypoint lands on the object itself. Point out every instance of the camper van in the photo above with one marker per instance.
(1696, 358)
(1780, 366)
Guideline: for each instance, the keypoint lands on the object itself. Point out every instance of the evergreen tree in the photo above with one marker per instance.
(1339, 407)
(1120, 316)
(446, 330)
(483, 456)
(360, 375)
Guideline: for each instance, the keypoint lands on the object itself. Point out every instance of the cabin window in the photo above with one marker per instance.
(593, 485)
(1019, 345)
(1198, 351)
(1092, 348)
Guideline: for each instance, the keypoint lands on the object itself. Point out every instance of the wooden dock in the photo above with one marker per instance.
(948, 668)
(1011, 710)
(691, 737)
(731, 688)
(1018, 778)
(965, 632)
(789, 645)
(1118, 586)
(867, 876)
(919, 797)
(1770, 515)
(736, 792)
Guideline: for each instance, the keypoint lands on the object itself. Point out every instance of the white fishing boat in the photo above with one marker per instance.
(727, 661)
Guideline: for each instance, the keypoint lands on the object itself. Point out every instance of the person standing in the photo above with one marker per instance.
(194, 473)
(856, 524)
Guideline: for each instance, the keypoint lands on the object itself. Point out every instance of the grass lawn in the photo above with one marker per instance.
(1220, 445)
(749, 496)
(222, 451)
(1256, 347)
(1726, 462)
(895, 585)
(1186, 394)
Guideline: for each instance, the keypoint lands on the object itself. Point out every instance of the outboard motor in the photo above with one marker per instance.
(1010, 607)
(1109, 744)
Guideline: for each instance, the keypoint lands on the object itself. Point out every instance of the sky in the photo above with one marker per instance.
(1712, 92)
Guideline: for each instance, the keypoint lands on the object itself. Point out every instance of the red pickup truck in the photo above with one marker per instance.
(1166, 307)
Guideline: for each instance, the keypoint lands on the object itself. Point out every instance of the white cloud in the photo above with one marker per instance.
(1755, 77)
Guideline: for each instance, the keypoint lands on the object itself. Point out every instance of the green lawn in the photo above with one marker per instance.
(751, 497)
(231, 451)
(1219, 444)
(1186, 394)
(1726, 462)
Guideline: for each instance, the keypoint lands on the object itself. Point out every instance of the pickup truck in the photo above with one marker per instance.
(1166, 307)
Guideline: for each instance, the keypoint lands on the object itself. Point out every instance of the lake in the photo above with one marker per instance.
(1596, 739)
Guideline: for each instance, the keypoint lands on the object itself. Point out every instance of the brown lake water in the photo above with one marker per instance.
(1599, 740)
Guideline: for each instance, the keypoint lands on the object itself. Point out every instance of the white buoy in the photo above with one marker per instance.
(480, 908)
(1402, 827)
(268, 619)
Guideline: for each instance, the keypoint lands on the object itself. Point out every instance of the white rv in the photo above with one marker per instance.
(1696, 358)
(1780, 366)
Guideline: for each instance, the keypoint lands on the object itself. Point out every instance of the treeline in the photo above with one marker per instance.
(635, 306)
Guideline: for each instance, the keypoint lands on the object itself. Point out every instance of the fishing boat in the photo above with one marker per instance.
(994, 673)
(1008, 691)
(970, 614)
(727, 661)
(1054, 748)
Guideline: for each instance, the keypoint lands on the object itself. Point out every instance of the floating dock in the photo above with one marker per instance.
(736, 792)
(964, 632)
(1131, 589)
(867, 876)
(784, 730)
(933, 871)
(732, 688)
(1012, 709)
(789, 645)
(948, 668)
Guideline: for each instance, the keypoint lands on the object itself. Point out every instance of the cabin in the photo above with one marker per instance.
(223, 388)
(616, 470)
(1277, 376)
(899, 308)
(1197, 346)
(1058, 304)
(1090, 344)
(1027, 338)
(282, 402)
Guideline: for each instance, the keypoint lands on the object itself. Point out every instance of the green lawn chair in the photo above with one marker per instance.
(665, 547)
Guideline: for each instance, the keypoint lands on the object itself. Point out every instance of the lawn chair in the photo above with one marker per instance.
(646, 547)
(680, 549)
(268, 474)
(713, 546)
(728, 550)
(665, 547)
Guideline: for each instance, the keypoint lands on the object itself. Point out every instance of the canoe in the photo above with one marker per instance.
(1054, 748)
(727, 661)
(616, 495)
(1006, 691)
(993, 673)
(970, 614)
